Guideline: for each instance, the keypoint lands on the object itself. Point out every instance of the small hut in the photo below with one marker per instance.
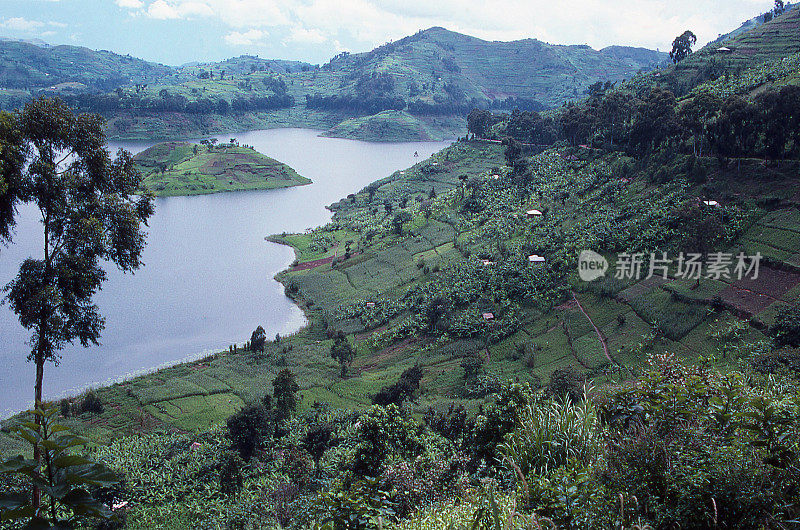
(532, 214)
(713, 204)
(487, 263)
(535, 258)
(488, 316)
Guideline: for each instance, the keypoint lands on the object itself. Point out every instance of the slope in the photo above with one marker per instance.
(24, 65)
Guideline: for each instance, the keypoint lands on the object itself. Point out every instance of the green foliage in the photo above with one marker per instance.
(682, 46)
(402, 390)
(552, 434)
(499, 419)
(786, 328)
(366, 505)
(249, 428)
(65, 479)
(384, 432)
(230, 475)
(258, 339)
(285, 390)
(342, 351)
(91, 403)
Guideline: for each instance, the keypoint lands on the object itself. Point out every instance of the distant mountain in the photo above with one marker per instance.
(27, 65)
(471, 68)
(245, 64)
(639, 58)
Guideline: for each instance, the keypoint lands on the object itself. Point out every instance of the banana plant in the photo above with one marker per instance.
(64, 478)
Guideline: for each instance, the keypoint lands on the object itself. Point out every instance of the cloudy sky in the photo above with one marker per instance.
(178, 31)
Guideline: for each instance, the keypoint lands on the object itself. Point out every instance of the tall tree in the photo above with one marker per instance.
(11, 164)
(695, 116)
(478, 122)
(779, 8)
(342, 351)
(614, 108)
(90, 209)
(258, 339)
(654, 120)
(682, 46)
(285, 390)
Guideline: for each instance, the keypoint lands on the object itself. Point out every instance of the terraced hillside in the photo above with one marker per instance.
(422, 64)
(177, 168)
(765, 43)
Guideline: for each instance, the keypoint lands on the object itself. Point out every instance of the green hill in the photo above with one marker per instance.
(437, 66)
(396, 126)
(177, 168)
(24, 65)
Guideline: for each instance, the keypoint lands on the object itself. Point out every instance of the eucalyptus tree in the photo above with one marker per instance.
(11, 163)
(91, 210)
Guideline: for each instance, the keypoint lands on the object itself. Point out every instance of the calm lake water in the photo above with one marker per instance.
(208, 275)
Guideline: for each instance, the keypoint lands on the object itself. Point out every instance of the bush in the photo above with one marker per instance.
(248, 428)
(786, 328)
(402, 390)
(230, 474)
(567, 383)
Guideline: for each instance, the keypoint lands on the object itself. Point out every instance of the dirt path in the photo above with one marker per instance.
(596, 329)
(311, 264)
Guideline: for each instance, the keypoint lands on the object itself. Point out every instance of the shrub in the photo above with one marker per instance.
(402, 390)
(230, 474)
(786, 328)
(248, 428)
(567, 383)
(384, 432)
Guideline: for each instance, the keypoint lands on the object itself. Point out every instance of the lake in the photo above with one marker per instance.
(208, 280)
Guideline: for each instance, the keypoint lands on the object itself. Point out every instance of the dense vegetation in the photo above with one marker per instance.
(177, 168)
(445, 380)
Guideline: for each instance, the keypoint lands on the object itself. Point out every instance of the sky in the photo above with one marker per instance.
(179, 31)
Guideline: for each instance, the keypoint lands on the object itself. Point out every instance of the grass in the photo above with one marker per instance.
(176, 168)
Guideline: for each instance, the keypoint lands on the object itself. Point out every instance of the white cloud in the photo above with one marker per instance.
(247, 38)
(163, 10)
(21, 24)
(255, 13)
(306, 36)
(130, 4)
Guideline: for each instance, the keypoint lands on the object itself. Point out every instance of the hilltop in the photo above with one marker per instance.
(438, 65)
(759, 44)
(178, 168)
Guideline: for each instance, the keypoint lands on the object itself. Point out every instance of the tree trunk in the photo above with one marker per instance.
(37, 454)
